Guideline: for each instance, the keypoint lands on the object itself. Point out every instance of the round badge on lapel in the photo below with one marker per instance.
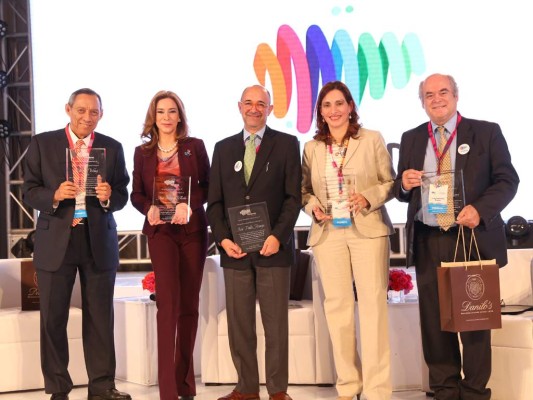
(463, 149)
(238, 166)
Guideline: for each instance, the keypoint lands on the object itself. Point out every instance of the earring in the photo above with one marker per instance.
(323, 120)
(350, 116)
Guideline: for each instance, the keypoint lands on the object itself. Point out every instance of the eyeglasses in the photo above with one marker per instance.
(248, 105)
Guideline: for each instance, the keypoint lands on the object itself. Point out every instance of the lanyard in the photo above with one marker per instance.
(338, 168)
(448, 143)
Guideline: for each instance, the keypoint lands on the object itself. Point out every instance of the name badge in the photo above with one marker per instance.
(340, 212)
(80, 210)
(438, 199)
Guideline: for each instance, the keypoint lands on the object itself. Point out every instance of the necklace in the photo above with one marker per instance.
(166, 159)
(169, 149)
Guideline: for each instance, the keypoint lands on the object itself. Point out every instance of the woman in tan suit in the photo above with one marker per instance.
(347, 178)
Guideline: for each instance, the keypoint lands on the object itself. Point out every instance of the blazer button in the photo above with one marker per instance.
(247, 197)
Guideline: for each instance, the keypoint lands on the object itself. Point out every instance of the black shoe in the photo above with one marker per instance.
(59, 396)
(109, 394)
(186, 397)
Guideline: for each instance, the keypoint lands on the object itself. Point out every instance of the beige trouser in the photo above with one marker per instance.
(343, 256)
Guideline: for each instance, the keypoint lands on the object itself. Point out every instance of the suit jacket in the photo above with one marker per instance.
(193, 161)
(490, 181)
(45, 166)
(368, 159)
(275, 179)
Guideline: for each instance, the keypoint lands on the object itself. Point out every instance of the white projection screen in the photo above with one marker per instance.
(208, 51)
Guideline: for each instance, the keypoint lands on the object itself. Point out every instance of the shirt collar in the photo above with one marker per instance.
(86, 139)
(450, 125)
(259, 134)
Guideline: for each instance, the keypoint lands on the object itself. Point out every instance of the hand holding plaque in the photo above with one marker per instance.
(337, 191)
(442, 196)
(250, 226)
(84, 166)
(172, 198)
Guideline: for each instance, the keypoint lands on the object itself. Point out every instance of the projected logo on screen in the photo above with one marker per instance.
(369, 64)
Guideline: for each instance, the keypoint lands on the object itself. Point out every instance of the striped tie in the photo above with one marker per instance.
(78, 173)
(249, 157)
(446, 219)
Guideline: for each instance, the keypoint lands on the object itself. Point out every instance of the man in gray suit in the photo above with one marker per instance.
(76, 233)
(275, 178)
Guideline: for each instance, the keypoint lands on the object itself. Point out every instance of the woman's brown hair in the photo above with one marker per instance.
(322, 128)
(150, 133)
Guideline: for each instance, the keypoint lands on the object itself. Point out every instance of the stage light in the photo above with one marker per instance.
(3, 79)
(3, 29)
(5, 129)
(518, 229)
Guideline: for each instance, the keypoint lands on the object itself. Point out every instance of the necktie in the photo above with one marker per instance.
(249, 157)
(446, 219)
(78, 173)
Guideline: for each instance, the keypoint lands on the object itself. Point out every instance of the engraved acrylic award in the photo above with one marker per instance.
(442, 193)
(337, 190)
(169, 192)
(84, 166)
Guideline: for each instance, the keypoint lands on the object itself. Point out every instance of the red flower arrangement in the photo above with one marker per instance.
(400, 280)
(149, 282)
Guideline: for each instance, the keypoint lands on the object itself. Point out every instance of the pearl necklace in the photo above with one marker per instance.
(167, 150)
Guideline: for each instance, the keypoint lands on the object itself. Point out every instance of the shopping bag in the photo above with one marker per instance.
(469, 293)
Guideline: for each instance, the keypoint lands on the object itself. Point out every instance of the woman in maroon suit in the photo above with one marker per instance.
(177, 243)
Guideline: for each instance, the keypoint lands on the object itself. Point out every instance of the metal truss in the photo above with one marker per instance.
(16, 107)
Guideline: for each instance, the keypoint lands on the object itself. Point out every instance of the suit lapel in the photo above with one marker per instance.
(464, 136)
(319, 156)
(185, 159)
(60, 148)
(419, 148)
(236, 153)
(353, 145)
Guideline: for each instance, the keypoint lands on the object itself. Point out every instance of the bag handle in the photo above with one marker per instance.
(461, 235)
(473, 239)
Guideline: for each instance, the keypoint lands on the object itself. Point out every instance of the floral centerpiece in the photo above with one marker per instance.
(148, 283)
(400, 284)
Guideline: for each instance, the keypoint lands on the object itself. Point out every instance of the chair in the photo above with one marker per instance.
(310, 355)
(512, 345)
(20, 368)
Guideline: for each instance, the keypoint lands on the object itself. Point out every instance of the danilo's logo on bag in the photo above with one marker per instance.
(475, 287)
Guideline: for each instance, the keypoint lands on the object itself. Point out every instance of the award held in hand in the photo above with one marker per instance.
(84, 166)
(250, 226)
(170, 192)
(336, 190)
(443, 196)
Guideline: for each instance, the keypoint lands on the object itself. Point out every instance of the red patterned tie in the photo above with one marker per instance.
(78, 173)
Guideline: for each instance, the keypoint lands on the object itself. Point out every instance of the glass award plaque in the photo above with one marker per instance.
(169, 192)
(250, 226)
(440, 192)
(84, 166)
(337, 192)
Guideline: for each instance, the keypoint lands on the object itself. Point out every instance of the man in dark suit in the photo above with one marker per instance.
(479, 149)
(76, 233)
(275, 178)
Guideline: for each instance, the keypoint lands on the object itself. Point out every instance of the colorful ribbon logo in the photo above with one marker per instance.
(371, 63)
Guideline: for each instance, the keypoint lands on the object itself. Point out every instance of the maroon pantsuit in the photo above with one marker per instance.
(178, 254)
